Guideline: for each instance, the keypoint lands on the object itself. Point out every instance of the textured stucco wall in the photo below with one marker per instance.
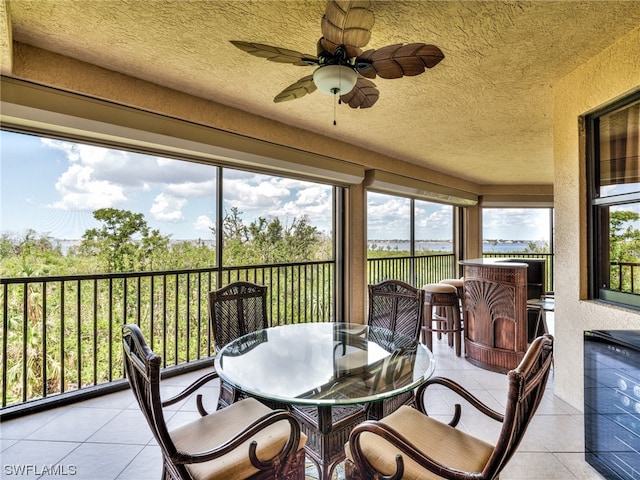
(610, 75)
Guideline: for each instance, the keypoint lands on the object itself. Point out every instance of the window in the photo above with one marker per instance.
(517, 230)
(613, 145)
(409, 239)
(520, 233)
(388, 226)
(83, 209)
(273, 220)
(433, 228)
(93, 237)
(390, 231)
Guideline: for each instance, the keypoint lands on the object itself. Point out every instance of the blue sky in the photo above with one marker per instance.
(53, 186)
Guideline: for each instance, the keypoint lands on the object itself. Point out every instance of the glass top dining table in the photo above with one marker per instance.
(326, 368)
(324, 364)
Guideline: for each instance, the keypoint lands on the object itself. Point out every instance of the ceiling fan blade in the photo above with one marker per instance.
(299, 89)
(348, 23)
(363, 95)
(395, 61)
(276, 54)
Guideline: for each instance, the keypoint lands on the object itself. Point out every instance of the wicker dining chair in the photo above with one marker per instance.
(235, 310)
(410, 444)
(244, 441)
(396, 307)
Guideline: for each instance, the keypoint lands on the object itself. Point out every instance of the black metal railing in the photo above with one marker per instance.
(416, 270)
(625, 277)
(61, 335)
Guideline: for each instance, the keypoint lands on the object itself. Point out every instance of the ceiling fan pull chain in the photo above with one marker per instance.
(335, 96)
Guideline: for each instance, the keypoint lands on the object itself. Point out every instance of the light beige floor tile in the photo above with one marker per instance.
(76, 424)
(555, 433)
(147, 465)
(28, 459)
(98, 461)
(128, 427)
(536, 466)
(19, 428)
(575, 463)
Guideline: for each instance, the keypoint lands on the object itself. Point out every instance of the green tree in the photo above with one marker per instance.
(189, 254)
(6, 247)
(269, 241)
(301, 240)
(624, 237)
(30, 254)
(124, 242)
(266, 238)
(233, 226)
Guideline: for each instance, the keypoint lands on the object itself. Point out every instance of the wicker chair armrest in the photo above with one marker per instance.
(190, 389)
(462, 392)
(406, 448)
(263, 422)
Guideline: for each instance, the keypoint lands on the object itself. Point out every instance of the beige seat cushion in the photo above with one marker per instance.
(439, 288)
(212, 430)
(443, 443)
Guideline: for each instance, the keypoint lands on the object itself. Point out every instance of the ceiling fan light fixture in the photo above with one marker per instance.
(335, 79)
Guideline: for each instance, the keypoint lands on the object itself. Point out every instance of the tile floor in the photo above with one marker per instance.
(108, 439)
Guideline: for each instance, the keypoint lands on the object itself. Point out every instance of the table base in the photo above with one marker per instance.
(327, 430)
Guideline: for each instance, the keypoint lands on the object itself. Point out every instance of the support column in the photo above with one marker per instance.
(473, 232)
(355, 254)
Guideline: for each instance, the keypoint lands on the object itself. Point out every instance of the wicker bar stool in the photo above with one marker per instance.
(459, 284)
(456, 282)
(446, 319)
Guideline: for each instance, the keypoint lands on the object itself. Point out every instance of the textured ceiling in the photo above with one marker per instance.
(483, 114)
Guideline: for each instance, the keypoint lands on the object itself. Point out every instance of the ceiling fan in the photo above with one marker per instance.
(341, 64)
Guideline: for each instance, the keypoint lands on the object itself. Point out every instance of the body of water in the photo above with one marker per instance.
(512, 246)
(434, 246)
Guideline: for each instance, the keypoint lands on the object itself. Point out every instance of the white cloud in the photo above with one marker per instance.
(99, 177)
(388, 217)
(96, 177)
(80, 191)
(202, 189)
(312, 196)
(263, 196)
(434, 221)
(167, 208)
(203, 224)
(312, 201)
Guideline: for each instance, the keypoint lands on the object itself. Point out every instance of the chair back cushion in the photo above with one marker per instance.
(235, 310)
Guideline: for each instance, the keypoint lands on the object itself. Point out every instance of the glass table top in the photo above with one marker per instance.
(325, 363)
